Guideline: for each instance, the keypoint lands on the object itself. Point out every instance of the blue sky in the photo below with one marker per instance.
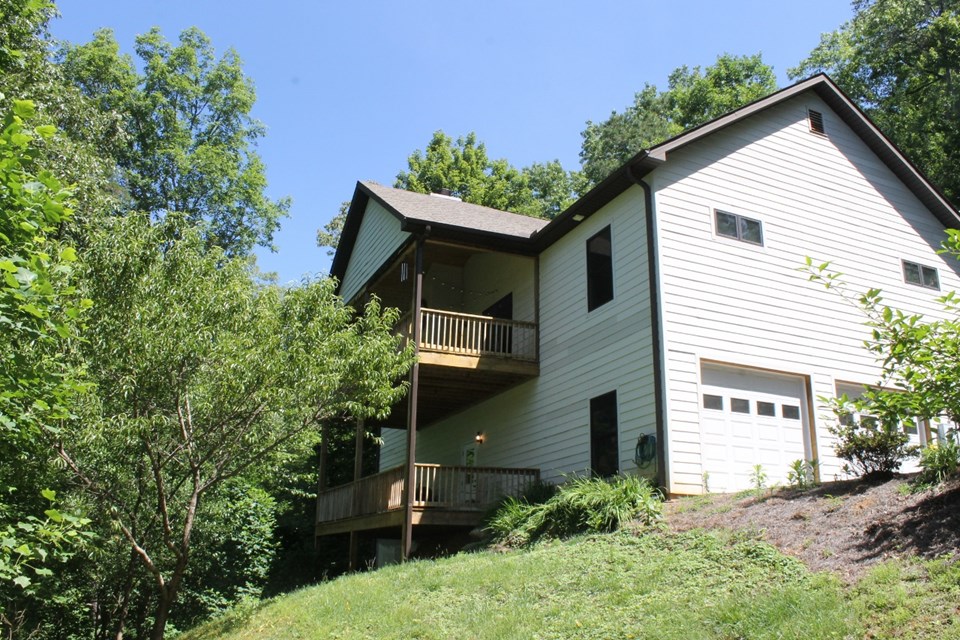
(349, 89)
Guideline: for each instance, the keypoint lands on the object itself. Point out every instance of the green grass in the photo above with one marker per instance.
(691, 586)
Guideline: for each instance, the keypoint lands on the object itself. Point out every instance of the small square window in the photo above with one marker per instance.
(739, 405)
(790, 412)
(766, 408)
(731, 225)
(921, 275)
(712, 402)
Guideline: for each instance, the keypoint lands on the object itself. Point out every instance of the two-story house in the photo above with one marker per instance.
(662, 325)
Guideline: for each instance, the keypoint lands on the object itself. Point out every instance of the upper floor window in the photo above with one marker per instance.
(921, 275)
(732, 225)
(599, 269)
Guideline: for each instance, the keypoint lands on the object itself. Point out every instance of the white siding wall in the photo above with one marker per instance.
(378, 238)
(827, 197)
(545, 422)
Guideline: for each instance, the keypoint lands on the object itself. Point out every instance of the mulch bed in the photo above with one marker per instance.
(844, 527)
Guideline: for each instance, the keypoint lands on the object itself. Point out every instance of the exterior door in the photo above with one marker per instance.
(750, 418)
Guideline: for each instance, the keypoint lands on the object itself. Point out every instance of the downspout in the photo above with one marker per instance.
(653, 276)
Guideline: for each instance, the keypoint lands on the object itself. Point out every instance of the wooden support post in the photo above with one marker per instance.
(322, 474)
(357, 473)
(406, 536)
(321, 470)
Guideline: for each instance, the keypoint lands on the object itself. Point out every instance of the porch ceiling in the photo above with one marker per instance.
(446, 390)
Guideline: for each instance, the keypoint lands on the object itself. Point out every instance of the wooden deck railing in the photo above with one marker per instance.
(466, 334)
(435, 487)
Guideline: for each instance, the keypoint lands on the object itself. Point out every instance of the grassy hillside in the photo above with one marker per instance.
(655, 585)
(691, 585)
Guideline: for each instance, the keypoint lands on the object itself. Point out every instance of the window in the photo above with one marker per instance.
(604, 442)
(766, 408)
(731, 225)
(712, 402)
(815, 118)
(739, 405)
(921, 275)
(599, 270)
(790, 411)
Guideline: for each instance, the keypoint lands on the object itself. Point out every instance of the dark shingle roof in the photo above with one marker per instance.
(451, 212)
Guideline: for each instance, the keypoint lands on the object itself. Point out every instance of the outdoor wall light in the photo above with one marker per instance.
(479, 438)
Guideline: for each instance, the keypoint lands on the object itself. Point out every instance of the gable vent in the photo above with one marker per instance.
(816, 121)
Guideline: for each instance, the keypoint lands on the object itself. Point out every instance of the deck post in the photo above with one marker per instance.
(357, 472)
(406, 536)
(322, 473)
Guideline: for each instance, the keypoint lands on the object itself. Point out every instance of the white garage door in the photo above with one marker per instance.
(749, 418)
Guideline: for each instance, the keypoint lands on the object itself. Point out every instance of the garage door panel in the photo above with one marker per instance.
(761, 432)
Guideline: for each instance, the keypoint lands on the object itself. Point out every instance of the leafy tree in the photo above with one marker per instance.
(900, 60)
(203, 376)
(463, 168)
(191, 146)
(80, 152)
(692, 98)
(40, 312)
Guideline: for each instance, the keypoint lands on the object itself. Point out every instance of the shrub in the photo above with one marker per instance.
(940, 460)
(579, 505)
(874, 446)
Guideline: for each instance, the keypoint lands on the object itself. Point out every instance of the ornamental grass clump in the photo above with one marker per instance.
(580, 505)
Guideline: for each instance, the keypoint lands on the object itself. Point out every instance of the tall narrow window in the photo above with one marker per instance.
(599, 269)
(604, 442)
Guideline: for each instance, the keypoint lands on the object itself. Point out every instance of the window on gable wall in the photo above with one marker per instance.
(599, 269)
(737, 227)
(921, 275)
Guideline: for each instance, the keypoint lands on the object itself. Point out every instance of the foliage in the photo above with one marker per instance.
(692, 98)
(205, 376)
(900, 61)
(463, 168)
(874, 446)
(192, 141)
(329, 235)
(580, 505)
(940, 460)
(802, 474)
(693, 585)
(79, 153)
(40, 313)
(758, 478)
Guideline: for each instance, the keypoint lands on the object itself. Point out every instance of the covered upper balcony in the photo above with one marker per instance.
(465, 280)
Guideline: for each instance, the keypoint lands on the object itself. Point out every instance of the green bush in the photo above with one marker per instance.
(939, 461)
(580, 505)
(872, 447)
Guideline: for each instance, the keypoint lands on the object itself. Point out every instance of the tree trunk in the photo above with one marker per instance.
(161, 615)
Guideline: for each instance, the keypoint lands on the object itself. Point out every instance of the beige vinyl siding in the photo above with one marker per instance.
(379, 236)
(827, 197)
(544, 422)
